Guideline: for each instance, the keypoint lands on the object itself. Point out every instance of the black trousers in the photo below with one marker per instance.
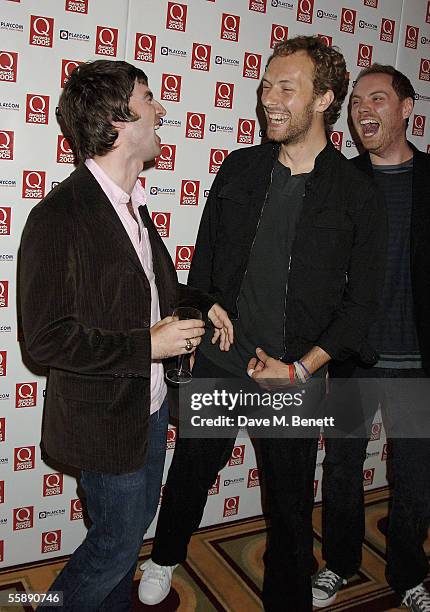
(343, 520)
(288, 471)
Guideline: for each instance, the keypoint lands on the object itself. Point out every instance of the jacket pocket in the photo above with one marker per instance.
(74, 387)
(329, 219)
(231, 192)
(325, 243)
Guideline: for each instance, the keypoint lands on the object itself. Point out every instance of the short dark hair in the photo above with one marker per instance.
(96, 94)
(329, 70)
(400, 82)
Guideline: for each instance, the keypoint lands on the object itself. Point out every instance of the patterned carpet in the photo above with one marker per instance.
(224, 570)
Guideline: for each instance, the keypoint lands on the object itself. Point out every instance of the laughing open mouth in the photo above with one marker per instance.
(369, 126)
(277, 119)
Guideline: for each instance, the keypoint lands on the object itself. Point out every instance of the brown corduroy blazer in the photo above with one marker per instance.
(86, 311)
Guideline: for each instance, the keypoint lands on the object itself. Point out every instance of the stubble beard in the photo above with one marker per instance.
(298, 129)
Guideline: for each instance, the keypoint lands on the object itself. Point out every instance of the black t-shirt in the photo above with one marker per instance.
(262, 297)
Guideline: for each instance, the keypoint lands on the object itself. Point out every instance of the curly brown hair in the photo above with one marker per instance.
(329, 70)
(96, 94)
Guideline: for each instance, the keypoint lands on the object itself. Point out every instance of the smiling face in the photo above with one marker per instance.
(378, 114)
(288, 98)
(141, 134)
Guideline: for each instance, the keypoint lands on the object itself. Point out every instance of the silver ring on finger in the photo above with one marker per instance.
(189, 345)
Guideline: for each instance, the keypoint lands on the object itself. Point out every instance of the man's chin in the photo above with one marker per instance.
(370, 145)
(276, 135)
(156, 152)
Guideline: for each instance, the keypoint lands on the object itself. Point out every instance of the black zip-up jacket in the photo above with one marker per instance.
(337, 259)
(420, 244)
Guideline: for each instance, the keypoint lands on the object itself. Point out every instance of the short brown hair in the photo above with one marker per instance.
(96, 94)
(400, 82)
(329, 70)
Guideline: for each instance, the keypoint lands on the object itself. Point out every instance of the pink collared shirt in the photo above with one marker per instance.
(119, 198)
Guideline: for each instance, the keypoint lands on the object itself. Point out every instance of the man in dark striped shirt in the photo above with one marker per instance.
(381, 104)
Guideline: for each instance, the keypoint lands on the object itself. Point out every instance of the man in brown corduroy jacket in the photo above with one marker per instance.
(97, 287)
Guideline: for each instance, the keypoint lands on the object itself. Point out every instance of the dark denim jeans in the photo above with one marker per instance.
(99, 574)
(343, 520)
(409, 516)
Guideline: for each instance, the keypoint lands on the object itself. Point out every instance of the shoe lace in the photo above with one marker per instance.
(421, 597)
(327, 578)
(155, 574)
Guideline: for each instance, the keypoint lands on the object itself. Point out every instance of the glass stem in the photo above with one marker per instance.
(181, 360)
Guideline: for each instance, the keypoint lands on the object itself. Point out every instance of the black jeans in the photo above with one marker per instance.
(288, 470)
(409, 516)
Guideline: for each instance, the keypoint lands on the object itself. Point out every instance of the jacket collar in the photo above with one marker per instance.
(324, 156)
(420, 186)
(250, 183)
(364, 163)
(99, 213)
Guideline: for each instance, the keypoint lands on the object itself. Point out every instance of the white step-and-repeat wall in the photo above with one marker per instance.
(204, 60)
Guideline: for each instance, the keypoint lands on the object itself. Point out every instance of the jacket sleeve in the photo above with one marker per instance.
(200, 275)
(347, 333)
(191, 296)
(54, 335)
(199, 290)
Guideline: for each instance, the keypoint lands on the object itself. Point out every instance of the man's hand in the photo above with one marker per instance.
(269, 373)
(169, 336)
(263, 368)
(223, 327)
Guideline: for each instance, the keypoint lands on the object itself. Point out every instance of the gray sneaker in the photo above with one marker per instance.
(325, 586)
(417, 599)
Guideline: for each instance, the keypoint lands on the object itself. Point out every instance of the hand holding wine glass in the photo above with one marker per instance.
(182, 373)
(169, 336)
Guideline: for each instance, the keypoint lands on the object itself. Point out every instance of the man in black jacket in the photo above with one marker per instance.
(381, 104)
(97, 291)
(290, 244)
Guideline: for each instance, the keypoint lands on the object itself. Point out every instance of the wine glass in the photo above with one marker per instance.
(182, 374)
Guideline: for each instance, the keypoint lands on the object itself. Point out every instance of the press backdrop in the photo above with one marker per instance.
(204, 59)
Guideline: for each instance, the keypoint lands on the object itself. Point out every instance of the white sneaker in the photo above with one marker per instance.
(154, 586)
